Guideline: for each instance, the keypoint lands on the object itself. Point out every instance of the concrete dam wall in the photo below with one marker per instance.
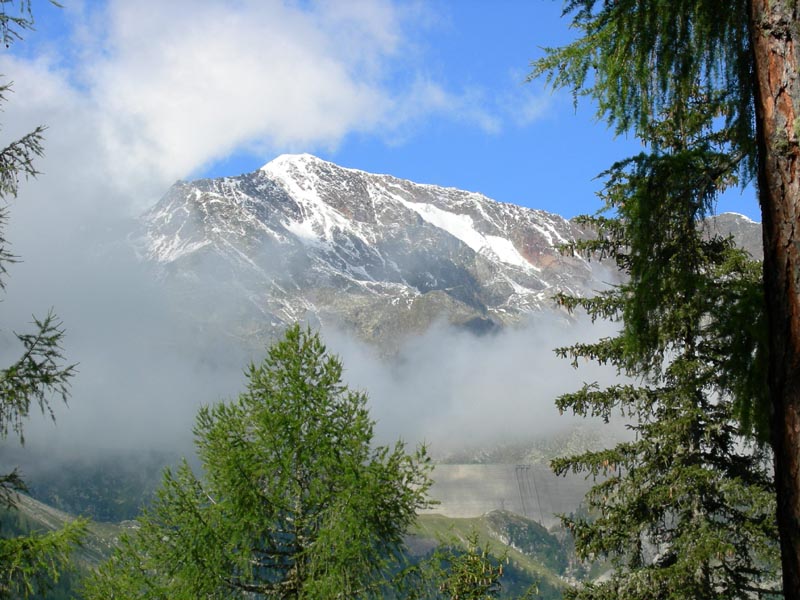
(529, 490)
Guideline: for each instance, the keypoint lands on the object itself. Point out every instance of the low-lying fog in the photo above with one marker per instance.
(143, 369)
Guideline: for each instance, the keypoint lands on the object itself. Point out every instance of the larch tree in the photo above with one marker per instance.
(294, 500)
(458, 569)
(684, 509)
(640, 59)
(28, 564)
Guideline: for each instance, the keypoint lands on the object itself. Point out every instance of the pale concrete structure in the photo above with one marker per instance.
(529, 490)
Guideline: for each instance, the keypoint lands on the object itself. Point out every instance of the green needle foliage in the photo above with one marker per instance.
(685, 508)
(453, 572)
(294, 501)
(642, 60)
(29, 564)
(639, 58)
(473, 574)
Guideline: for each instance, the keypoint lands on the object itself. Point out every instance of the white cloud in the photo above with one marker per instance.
(524, 103)
(154, 91)
(184, 83)
(427, 98)
(527, 108)
(457, 390)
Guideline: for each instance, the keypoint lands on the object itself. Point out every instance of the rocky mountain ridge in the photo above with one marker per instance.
(302, 238)
(305, 239)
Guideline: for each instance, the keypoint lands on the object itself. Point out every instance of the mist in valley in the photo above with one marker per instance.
(146, 364)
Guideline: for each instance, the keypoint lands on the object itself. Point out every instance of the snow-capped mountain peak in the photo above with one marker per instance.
(305, 238)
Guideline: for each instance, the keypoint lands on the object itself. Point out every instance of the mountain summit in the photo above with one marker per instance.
(303, 238)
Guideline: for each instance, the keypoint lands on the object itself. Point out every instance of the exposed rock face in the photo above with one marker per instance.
(745, 232)
(304, 238)
(533, 491)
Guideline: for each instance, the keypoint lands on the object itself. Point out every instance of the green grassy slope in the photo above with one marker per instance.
(533, 553)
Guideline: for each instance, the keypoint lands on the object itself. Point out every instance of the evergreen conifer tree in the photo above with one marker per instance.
(684, 509)
(457, 569)
(294, 501)
(640, 59)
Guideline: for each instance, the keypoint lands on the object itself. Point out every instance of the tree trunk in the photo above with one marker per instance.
(775, 37)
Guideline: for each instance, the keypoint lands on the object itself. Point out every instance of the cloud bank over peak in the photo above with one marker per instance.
(149, 92)
(208, 79)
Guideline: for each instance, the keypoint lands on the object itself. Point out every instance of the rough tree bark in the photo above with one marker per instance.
(775, 35)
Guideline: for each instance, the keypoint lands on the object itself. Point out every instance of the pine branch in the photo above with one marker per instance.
(17, 158)
(36, 376)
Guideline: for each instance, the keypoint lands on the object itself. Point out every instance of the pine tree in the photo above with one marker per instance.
(294, 501)
(28, 564)
(685, 509)
(640, 59)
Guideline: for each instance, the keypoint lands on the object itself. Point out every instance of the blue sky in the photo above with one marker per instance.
(143, 93)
